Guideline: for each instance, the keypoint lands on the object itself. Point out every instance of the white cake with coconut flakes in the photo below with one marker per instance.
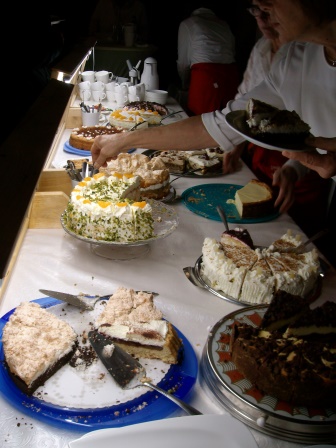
(255, 275)
(108, 208)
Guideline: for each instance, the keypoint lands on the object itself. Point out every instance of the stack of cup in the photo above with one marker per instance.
(98, 91)
(121, 93)
(84, 90)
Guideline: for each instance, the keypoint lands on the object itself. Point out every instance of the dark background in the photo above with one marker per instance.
(164, 19)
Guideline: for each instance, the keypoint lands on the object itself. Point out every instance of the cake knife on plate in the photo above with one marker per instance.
(127, 371)
(84, 301)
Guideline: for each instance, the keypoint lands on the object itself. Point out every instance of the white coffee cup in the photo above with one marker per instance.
(121, 98)
(98, 85)
(110, 86)
(104, 76)
(85, 94)
(88, 75)
(121, 88)
(90, 118)
(137, 91)
(110, 95)
(98, 95)
(84, 85)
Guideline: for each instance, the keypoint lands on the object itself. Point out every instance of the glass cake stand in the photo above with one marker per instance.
(165, 222)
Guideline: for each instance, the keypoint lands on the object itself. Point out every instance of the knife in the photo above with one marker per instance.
(84, 301)
(126, 370)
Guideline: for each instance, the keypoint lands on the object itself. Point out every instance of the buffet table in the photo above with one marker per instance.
(54, 260)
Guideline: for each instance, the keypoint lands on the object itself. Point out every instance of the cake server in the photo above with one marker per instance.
(84, 301)
(127, 371)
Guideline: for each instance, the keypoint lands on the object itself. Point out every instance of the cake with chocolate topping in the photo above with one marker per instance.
(298, 368)
(83, 137)
(132, 321)
(36, 344)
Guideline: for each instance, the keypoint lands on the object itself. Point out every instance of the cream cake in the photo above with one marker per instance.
(36, 344)
(83, 137)
(208, 160)
(297, 363)
(153, 173)
(108, 208)
(254, 200)
(255, 275)
(143, 113)
(132, 321)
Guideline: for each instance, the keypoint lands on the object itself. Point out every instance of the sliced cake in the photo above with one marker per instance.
(132, 321)
(254, 200)
(36, 344)
(237, 237)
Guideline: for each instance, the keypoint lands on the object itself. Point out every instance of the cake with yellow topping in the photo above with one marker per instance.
(143, 114)
(109, 208)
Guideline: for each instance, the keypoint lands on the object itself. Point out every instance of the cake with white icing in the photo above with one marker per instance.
(142, 113)
(108, 208)
(153, 173)
(36, 344)
(132, 321)
(255, 275)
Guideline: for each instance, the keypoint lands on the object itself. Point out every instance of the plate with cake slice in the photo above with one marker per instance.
(203, 200)
(274, 389)
(79, 393)
(270, 127)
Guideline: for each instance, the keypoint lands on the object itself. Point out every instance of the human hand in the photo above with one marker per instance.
(107, 147)
(323, 164)
(231, 159)
(284, 178)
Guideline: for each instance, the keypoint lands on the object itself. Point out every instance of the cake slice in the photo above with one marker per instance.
(287, 243)
(259, 283)
(204, 163)
(237, 237)
(132, 321)
(319, 321)
(283, 309)
(254, 200)
(36, 344)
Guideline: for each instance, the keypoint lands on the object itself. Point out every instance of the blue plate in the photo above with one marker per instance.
(81, 152)
(180, 377)
(204, 199)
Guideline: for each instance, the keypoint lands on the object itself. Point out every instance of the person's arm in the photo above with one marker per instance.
(184, 135)
(323, 164)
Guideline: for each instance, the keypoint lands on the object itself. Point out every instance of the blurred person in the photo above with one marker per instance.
(266, 164)
(110, 16)
(206, 61)
(294, 83)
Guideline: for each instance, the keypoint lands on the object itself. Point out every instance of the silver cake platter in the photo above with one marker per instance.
(237, 395)
(165, 222)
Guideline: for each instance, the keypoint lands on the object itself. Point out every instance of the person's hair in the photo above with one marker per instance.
(320, 11)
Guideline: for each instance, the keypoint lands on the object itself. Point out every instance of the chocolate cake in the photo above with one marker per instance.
(297, 369)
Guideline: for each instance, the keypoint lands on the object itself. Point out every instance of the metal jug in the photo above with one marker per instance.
(150, 75)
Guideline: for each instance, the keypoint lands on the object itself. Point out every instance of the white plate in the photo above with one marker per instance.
(198, 432)
(237, 121)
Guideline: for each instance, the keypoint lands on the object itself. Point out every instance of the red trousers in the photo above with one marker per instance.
(211, 87)
(311, 193)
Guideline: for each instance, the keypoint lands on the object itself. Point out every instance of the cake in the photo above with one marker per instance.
(237, 237)
(274, 125)
(254, 200)
(255, 275)
(154, 176)
(83, 137)
(143, 113)
(301, 368)
(36, 344)
(132, 321)
(108, 208)
(207, 160)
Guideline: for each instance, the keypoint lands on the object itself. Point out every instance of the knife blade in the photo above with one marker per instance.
(81, 300)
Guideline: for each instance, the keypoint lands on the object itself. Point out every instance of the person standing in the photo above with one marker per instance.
(206, 61)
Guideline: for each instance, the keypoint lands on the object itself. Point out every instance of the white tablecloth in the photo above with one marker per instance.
(52, 259)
